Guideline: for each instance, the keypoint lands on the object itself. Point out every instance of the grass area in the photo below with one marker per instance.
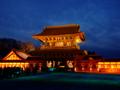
(74, 78)
(67, 80)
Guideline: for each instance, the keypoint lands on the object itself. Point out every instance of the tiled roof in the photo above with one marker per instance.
(58, 30)
(22, 54)
(56, 54)
(19, 54)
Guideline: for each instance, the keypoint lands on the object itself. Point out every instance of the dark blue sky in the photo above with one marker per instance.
(99, 19)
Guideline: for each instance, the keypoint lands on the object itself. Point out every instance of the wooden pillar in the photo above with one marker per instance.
(83, 68)
(90, 65)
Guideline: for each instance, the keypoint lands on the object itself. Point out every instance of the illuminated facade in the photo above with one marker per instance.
(60, 50)
(60, 45)
(109, 66)
(56, 39)
(60, 37)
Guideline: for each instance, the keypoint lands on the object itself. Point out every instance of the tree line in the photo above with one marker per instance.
(7, 44)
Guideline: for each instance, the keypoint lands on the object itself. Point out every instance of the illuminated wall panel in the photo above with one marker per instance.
(14, 64)
(113, 67)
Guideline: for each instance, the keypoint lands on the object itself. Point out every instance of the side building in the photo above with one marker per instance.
(21, 60)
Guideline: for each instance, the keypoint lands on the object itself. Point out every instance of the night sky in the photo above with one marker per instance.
(99, 19)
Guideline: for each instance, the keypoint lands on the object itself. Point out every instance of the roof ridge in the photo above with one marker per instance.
(60, 26)
(60, 30)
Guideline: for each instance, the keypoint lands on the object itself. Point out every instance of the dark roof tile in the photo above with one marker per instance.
(58, 30)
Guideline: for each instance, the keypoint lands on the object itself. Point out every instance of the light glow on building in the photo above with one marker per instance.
(109, 67)
(14, 64)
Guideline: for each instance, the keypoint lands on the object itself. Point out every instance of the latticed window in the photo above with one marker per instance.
(59, 44)
(68, 44)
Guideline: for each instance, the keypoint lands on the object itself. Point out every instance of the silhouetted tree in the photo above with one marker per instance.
(28, 46)
(7, 44)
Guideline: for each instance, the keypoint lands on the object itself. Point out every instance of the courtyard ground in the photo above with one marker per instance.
(63, 81)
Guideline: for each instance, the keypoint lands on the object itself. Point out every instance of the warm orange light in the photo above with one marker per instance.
(14, 64)
(100, 63)
(49, 64)
(75, 69)
(113, 63)
(109, 66)
(62, 66)
(11, 56)
(78, 40)
(70, 64)
(106, 62)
